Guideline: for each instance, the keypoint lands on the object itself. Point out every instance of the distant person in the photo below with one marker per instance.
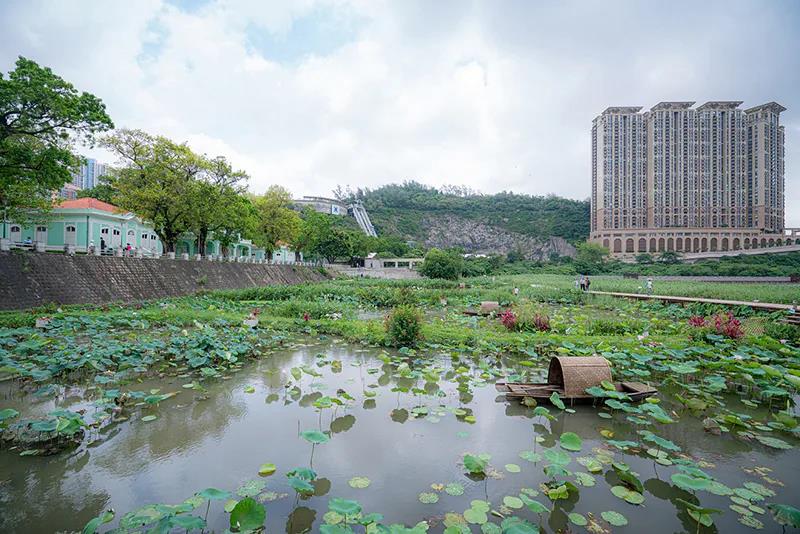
(587, 283)
(577, 282)
(91, 247)
(102, 244)
(649, 285)
(582, 283)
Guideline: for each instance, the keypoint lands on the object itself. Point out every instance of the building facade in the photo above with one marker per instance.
(687, 179)
(329, 206)
(84, 222)
(89, 174)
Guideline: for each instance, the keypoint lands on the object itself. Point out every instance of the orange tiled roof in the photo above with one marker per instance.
(90, 203)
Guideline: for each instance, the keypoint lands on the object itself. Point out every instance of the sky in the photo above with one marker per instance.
(494, 95)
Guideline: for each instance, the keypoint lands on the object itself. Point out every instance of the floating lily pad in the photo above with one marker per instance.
(146, 418)
(428, 498)
(513, 502)
(615, 519)
(577, 519)
(266, 469)
(513, 468)
(454, 488)
(359, 482)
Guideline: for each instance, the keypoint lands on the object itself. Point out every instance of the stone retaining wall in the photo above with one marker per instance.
(32, 279)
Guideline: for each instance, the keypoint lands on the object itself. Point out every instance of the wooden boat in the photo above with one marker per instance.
(570, 376)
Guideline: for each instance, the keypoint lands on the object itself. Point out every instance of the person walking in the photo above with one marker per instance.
(583, 283)
(577, 282)
(649, 285)
(588, 283)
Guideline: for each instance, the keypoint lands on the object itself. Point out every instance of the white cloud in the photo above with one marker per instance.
(494, 96)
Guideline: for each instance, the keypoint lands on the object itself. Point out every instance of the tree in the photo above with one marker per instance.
(41, 116)
(214, 200)
(104, 191)
(591, 258)
(442, 264)
(276, 220)
(241, 221)
(644, 258)
(156, 180)
(669, 257)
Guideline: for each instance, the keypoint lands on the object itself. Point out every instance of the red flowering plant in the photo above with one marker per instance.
(697, 321)
(725, 324)
(509, 319)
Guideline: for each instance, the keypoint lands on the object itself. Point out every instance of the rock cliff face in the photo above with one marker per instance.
(480, 238)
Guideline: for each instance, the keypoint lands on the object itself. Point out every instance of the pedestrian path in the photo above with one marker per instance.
(769, 306)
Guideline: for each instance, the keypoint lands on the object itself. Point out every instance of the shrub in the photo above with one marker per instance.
(404, 326)
(441, 264)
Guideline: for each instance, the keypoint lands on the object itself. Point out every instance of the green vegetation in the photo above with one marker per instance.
(399, 210)
(726, 373)
(404, 327)
(447, 265)
(41, 116)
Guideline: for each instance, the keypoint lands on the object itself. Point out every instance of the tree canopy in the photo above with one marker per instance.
(41, 117)
(276, 220)
(400, 209)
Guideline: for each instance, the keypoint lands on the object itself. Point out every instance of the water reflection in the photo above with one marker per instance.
(220, 437)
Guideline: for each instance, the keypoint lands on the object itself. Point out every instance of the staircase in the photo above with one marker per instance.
(362, 218)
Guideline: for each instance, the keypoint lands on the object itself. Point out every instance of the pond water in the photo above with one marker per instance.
(220, 438)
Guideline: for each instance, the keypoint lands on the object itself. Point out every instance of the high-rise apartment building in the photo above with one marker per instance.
(686, 179)
(88, 174)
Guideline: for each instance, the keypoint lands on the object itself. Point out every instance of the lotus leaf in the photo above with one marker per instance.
(314, 436)
(345, 507)
(577, 519)
(428, 498)
(570, 441)
(615, 519)
(248, 514)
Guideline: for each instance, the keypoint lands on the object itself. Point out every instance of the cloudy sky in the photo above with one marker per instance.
(496, 95)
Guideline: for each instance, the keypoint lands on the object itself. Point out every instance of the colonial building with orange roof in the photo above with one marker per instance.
(83, 222)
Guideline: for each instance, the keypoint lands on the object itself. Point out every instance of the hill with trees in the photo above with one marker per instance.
(459, 217)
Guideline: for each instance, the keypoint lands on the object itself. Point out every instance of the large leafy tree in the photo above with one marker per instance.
(241, 220)
(41, 117)
(276, 220)
(156, 180)
(214, 201)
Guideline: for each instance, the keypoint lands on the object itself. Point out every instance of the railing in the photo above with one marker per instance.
(38, 247)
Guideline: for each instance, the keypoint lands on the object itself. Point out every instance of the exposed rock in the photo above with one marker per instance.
(477, 237)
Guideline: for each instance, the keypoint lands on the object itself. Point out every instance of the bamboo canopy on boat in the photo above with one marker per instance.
(576, 373)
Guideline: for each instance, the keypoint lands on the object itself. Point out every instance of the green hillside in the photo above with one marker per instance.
(400, 209)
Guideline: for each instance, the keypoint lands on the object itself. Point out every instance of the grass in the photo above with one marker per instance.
(762, 292)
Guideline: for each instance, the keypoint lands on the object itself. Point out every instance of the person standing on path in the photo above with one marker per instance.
(649, 285)
(588, 283)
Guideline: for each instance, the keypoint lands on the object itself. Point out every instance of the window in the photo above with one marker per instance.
(16, 229)
(116, 232)
(41, 228)
(104, 231)
(153, 237)
(70, 228)
(144, 235)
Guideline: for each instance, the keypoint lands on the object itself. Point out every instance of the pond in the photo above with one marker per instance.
(396, 445)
